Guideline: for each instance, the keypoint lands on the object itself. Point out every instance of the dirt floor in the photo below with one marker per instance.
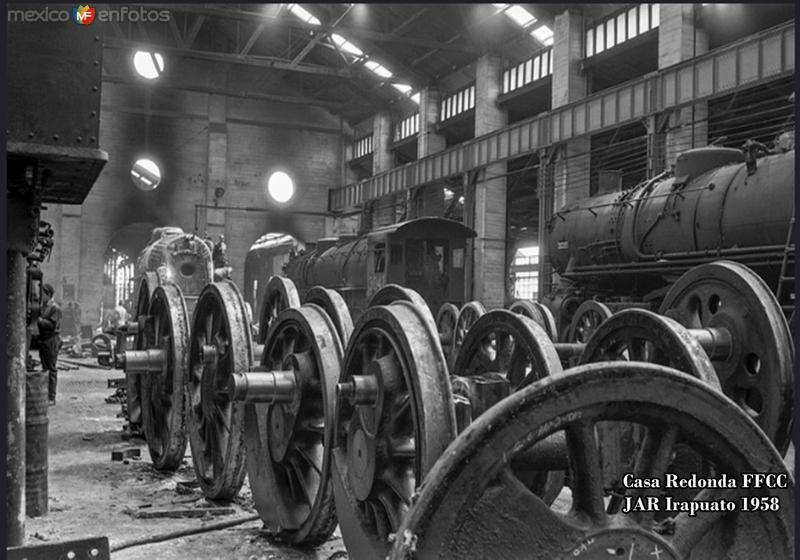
(90, 495)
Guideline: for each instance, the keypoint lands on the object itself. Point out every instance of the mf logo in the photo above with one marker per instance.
(83, 14)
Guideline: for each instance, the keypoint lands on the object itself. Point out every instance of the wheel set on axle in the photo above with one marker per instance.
(465, 436)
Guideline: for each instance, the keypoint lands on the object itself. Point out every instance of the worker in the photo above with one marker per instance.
(49, 324)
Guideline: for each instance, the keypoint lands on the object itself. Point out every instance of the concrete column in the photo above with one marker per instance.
(490, 222)
(680, 38)
(429, 141)
(217, 170)
(571, 178)
(382, 137)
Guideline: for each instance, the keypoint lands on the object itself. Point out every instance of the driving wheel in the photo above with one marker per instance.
(163, 402)
(220, 346)
(395, 418)
(471, 507)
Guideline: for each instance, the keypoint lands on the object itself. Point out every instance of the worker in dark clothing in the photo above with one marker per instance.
(49, 324)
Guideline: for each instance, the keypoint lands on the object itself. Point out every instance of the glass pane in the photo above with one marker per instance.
(600, 36)
(620, 28)
(610, 33)
(632, 20)
(505, 81)
(654, 13)
(589, 43)
(528, 75)
(549, 62)
(644, 17)
(536, 62)
(472, 97)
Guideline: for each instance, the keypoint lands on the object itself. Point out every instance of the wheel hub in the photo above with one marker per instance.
(361, 458)
(627, 544)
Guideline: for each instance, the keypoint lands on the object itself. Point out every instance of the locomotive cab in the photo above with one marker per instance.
(426, 255)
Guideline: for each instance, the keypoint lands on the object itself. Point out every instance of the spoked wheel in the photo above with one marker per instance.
(289, 441)
(395, 419)
(589, 315)
(163, 403)
(333, 304)
(279, 294)
(148, 282)
(220, 347)
(391, 293)
(469, 313)
(446, 321)
(502, 352)
(730, 300)
(470, 507)
(638, 335)
(539, 313)
(507, 343)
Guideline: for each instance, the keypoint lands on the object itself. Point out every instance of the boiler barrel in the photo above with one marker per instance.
(36, 422)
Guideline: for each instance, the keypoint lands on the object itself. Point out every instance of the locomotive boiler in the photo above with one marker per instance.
(424, 254)
(173, 256)
(717, 203)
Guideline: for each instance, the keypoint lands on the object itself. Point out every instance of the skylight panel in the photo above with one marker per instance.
(544, 35)
(378, 69)
(404, 88)
(520, 15)
(303, 14)
(415, 98)
(346, 45)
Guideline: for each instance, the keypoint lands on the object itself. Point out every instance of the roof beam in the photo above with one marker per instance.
(232, 58)
(351, 32)
(319, 37)
(251, 41)
(245, 94)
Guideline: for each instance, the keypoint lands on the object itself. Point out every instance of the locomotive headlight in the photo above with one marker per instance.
(280, 187)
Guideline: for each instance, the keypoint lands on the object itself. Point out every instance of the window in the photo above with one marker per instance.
(380, 258)
(644, 17)
(600, 39)
(632, 21)
(621, 28)
(590, 43)
(525, 272)
(654, 15)
(610, 33)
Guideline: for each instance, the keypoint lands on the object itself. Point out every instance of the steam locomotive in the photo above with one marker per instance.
(173, 256)
(718, 203)
(424, 254)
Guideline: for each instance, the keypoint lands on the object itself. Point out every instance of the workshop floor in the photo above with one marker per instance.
(90, 495)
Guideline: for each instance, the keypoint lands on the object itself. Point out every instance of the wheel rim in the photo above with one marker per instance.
(643, 336)
(280, 294)
(446, 321)
(391, 293)
(590, 315)
(515, 347)
(758, 375)
(385, 449)
(470, 507)
(216, 425)
(288, 444)
(333, 304)
(508, 343)
(163, 402)
(469, 313)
